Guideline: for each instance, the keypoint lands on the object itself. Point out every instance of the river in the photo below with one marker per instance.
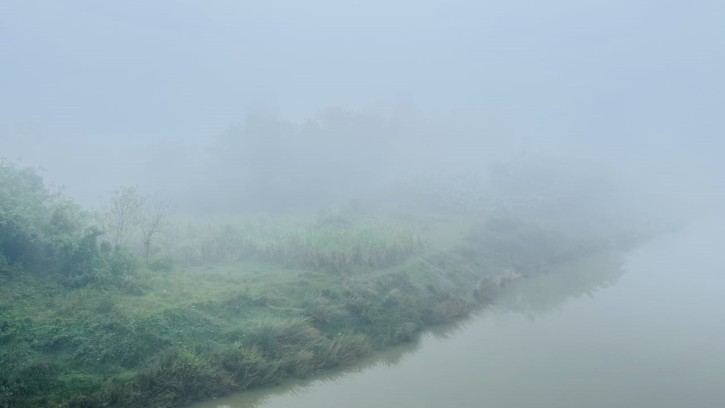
(644, 329)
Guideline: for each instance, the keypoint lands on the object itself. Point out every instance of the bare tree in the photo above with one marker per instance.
(124, 213)
(152, 221)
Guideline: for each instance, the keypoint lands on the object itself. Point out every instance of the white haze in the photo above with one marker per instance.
(104, 94)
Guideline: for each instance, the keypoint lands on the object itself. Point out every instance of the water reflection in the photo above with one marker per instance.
(257, 398)
(533, 297)
(542, 294)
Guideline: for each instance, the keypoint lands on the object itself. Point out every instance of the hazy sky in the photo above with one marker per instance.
(614, 75)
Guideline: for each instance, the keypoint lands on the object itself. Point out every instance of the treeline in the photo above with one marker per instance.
(269, 162)
(136, 306)
(44, 232)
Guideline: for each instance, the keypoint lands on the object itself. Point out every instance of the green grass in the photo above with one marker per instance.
(322, 244)
(232, 303)
(251, 303)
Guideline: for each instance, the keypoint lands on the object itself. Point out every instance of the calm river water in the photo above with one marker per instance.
(644, 329)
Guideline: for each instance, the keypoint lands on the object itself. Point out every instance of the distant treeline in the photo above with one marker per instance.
(135, 305)
(268, 162)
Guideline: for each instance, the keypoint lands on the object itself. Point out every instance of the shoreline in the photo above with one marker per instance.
(174, 349)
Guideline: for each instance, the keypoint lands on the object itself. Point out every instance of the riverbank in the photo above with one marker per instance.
(135, 306)
(601, 332)
(168, 336)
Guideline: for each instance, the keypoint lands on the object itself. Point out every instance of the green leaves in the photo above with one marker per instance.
(331, 247)
(24, 212)
(45, 233)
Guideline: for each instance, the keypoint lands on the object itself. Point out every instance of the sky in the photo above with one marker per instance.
(82, 81)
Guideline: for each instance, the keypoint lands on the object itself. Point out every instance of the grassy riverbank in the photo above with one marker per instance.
(228, 304)
(174, 335)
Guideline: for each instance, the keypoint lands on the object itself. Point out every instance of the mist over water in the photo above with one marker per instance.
(644, 329)
(263, 168)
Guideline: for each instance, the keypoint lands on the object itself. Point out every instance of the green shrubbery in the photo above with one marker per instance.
(302, 243)
(231, 304)
(44, 233)
(5, 268)
(161, 265)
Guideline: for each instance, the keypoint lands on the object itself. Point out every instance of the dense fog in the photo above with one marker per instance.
(203, 198)
(191, 99)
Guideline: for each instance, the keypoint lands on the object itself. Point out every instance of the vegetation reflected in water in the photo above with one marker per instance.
(533, 297)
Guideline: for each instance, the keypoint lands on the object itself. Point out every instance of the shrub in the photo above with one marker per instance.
(162, 265)
(121, 262)
(4, 265)
(44, 232)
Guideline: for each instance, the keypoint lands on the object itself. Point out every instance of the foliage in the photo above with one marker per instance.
(135, 221)
(273, 162)
(230, 304)
(153, 220)
(161, 265)
(24, 214)
(121, 262)
(5, 267)
(123, 214)
(333, 247)
(45, 233)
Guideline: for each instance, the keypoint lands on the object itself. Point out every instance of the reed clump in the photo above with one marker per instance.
(332, 247)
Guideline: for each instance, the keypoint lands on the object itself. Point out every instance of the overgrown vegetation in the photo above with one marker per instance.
(332, 244)
(45, 234)
(142, 309)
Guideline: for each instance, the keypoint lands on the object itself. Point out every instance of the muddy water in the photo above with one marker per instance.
(645, 330)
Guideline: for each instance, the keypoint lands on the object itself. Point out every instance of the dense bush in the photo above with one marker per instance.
(24, 214)
(43, 232)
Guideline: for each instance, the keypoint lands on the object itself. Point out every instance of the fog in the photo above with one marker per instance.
(102, 95)
(204, 197)
(610, 337)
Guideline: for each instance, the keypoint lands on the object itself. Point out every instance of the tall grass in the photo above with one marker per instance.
(324, 246)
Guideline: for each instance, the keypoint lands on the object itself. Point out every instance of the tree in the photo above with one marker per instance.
(152, 221)
(24, 210)
(42, 231)
(124, 214)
